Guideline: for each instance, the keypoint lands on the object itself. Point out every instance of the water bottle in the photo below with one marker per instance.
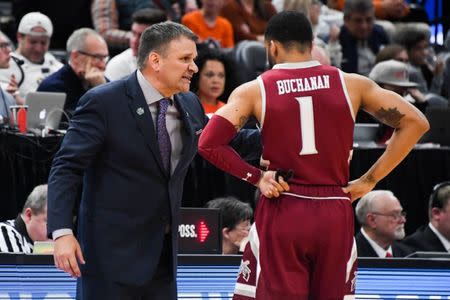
(22, 119)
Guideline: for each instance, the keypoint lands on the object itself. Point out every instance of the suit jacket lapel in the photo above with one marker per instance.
(187, 134)
(141, 113)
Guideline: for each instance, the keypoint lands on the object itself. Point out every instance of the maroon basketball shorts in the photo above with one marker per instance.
(301, 246)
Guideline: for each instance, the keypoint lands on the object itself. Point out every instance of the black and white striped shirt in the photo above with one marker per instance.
(14, 237)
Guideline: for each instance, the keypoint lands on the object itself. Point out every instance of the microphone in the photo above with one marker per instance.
(19, 63)
(17, 60)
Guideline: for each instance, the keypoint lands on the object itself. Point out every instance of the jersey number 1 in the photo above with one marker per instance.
(307, 125)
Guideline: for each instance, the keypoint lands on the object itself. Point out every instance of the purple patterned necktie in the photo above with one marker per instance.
(163, 135)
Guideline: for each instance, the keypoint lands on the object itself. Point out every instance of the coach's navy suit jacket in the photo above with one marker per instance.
(111, 150)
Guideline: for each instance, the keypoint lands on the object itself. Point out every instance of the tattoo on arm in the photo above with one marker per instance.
(241, 123)
(391, 116)
(369, 178)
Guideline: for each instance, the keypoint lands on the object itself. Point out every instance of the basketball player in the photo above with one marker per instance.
(301, 245)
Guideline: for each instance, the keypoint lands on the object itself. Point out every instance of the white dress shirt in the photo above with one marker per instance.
(442, 238)
(380, 251)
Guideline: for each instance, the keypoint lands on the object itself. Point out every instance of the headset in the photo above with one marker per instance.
(434, 201)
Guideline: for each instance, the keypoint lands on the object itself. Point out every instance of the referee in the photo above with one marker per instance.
(18, 235)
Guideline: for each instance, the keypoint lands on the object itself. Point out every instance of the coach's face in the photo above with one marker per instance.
(176, 66)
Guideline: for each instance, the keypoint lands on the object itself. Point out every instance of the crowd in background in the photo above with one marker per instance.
(74, 46)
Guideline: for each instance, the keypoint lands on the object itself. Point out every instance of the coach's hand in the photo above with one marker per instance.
(66, 254)
(269, 187)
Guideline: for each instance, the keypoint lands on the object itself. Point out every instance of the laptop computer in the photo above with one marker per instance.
(439, 133)
(44, 109)
(365, 134)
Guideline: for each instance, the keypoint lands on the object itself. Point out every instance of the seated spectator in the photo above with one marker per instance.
(248, 17)
(66, 16)
(33, 37)
(215, 72)
(208, 25)
(392, 51)
(125, 63)
(436, 235)
(236, 222)
(88, 54)
(446, 74)
(321, 28)
(393, 75)
(393, 10)
(112, 19)
(429, 77)
(174, 9)
(359, 37)
(7, 99)
(382, 223)
(19, 235)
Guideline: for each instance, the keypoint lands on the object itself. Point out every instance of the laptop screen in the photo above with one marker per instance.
(44, 109)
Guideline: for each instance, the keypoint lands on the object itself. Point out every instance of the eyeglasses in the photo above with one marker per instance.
(5, 45)
(395, 215)
(103, 58)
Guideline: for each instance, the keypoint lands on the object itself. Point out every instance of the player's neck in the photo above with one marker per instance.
(294, 58)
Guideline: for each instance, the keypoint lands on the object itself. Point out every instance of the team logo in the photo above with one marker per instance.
(248, 176)
(244, 270)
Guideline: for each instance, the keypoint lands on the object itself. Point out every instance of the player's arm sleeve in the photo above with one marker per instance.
(214, 147)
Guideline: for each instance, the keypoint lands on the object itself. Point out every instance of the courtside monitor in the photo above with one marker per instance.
(199, 231)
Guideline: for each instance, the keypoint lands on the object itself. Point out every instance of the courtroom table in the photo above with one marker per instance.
(25, 162)
(411, 181)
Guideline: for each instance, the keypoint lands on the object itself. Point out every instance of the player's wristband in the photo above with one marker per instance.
(214, 147)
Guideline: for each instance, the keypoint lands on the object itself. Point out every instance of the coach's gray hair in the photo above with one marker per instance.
(37, 200)
(158, 36)
(367, 204)
(77, 39)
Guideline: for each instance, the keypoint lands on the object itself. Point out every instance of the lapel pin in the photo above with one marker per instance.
(140, 111)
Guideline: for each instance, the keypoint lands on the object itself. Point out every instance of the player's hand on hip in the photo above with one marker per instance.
(67, 254)
(270, 187)
(358, 188)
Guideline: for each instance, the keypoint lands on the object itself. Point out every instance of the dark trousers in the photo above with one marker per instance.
(161, 287)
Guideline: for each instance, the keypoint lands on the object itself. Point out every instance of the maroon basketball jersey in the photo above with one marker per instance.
(307, 122)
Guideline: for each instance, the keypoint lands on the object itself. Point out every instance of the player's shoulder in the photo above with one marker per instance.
(249, 87)
(353, 80)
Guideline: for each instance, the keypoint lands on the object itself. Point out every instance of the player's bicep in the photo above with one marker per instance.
(386, 106)
(240, 105)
